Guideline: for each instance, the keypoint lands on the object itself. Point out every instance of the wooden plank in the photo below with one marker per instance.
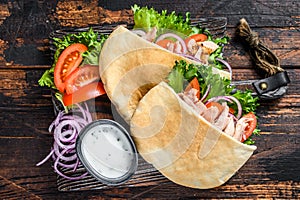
(241, 191)
(23, 130)
(261, 13)
(74, 14)
(284, 43)
(20, 93)
(11, 190)
(30, 36)
(264, 175)
(25, 108)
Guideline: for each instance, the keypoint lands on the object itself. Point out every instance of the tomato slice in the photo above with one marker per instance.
(216, 104)
(251, 126)
(194, 84)
(231, 110)
(200, 37)
(164, 43)
(84, 93)
(67, 62)
(80, 77)
(197, 37)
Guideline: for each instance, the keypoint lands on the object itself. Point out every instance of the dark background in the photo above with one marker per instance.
(26, 109)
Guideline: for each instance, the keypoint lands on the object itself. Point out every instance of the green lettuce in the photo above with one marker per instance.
(182, 73)
(148, 18)
(91, 56)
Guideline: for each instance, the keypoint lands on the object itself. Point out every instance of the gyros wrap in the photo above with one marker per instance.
(130, 66)
(168, 133)
(182, 145)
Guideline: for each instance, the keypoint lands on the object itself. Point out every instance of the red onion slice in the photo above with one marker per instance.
(234, 117)
(86, 114)
(65, 129)
(60, 134)
(218, 98)
(239, 106)
(206, 93)
(230, 99)
(173, 35)
(139, 32)
(67, 136)
(57, 152)
(46, 158)
(226, 64)
(59, 172)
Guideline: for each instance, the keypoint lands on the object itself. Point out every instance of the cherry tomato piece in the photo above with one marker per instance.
(194, 83)
(216, 104)
(67, 62)
(80, 77)
(200, 37)
(164, 43)
(231, 110)
(84, 93)
(197, 37)
(251, 126)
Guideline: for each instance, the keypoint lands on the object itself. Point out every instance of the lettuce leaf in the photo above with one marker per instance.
(183, 72)
(88, 38)
(148, 18)
(47, 79)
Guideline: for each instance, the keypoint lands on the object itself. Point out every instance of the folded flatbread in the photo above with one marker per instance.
(181, 144)
(130, 66)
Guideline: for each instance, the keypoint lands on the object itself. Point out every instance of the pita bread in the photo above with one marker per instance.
(181, 144)
(130, 66)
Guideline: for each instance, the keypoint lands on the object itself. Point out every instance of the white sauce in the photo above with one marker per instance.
(107, 150)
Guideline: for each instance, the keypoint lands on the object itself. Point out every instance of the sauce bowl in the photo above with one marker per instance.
(107, 151)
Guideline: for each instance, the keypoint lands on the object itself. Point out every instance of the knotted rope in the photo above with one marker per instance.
(262, 56)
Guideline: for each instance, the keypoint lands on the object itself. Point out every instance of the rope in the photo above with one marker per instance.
(262, 56)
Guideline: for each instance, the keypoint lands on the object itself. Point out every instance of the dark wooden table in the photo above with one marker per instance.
(26, 109)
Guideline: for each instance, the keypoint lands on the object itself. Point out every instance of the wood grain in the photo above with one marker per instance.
(26, 109)
(72, 14)
(272, 141)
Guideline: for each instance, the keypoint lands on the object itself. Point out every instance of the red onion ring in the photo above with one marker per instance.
(57, 152)
(86, 114)
(226, 64)
(139, 32)
(71, 163)
(46, 158)
(206, 93)
(59, 172)
(191, 57)
(68, 136)
(234, 117)
(218, 98)
(173, 35)
(59, 133)
(239, 106)
(65, 129)
(229, 99)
